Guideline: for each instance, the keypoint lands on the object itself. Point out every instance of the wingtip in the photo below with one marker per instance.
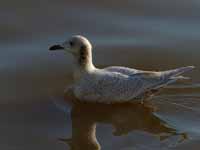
(192, 67)
(189, 67)
(178, 71)
(181, 78)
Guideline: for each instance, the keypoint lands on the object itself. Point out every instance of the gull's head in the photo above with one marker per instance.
(79, 47)
(76, 45)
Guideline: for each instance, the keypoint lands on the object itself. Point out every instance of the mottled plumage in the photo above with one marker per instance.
(108, 86)
(112, 84)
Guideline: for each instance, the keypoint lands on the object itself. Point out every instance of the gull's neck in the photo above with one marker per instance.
(83, 64)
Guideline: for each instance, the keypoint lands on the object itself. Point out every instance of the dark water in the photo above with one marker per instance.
(151, 35)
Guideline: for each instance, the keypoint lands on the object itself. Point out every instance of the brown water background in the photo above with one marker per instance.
(151, 35)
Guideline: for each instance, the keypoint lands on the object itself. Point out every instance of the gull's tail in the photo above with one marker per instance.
(171, 76)
(174, 74)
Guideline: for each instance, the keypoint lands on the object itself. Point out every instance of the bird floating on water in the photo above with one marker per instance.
(111, 84)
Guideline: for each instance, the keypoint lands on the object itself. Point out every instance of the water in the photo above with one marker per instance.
(154, 35)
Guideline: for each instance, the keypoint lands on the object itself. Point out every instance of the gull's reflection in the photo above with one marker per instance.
(123, 117)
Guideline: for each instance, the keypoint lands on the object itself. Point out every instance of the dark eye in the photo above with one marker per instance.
(71, 43)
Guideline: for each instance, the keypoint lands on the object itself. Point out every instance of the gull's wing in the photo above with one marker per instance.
(108, 87)
(111, 87)
(105, 86)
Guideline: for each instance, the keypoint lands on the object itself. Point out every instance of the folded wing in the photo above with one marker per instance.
(108, 86)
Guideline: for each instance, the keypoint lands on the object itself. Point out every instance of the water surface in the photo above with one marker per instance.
(156, 35)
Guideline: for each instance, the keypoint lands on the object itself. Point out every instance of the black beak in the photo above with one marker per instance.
(56, 47)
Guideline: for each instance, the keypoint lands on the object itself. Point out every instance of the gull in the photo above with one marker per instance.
(114, 84)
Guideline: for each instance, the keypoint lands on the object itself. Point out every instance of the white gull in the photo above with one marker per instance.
(112, 84)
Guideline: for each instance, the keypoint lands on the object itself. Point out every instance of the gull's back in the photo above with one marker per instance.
(123, 70)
